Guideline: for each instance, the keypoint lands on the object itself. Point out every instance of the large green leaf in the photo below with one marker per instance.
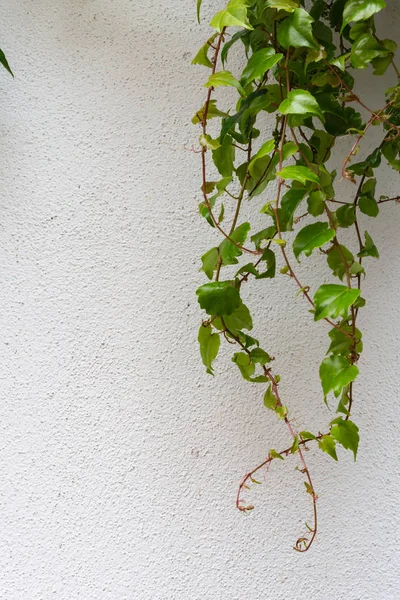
(224, 78)
(364, 50)
(289, 203)
(346, 433)
(235, 15)
(239, 319)
(336, 372)
(316, 203)
(298, 173)
(224, 156)
(4, 62)
(311, 237)
(332, 300)
(229, 251)
(296, 31)
(301, 102)
(260, 62)
(218, 298)
(368, 205)
(360, 10)
(209, 346)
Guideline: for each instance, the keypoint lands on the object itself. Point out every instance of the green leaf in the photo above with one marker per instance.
(245, 365)
(290, 201)
(270, 400)
(369, 247)
(335, 373)
(368, 206)
(360, 10)
(342, 343)
(265, 149)
(336, 262)
(209, 346)
(239, 319)
(229, 251)
(333, 301)
(264, 234)
(224, 78)
(201, 57)
(239, 35)
(4, 62)
(269, 257)
(364, 50)
(218, 298)
(311, 237)
(207, 141)
(328, 445)
(260, 356)
(346, 433)
(274, 454)
(306, 435)
(316, 203)
(346, 215)
(198, 9)
(301, 102)
(298, 173)
(296, 31)
(224, 156)
(260, 62)
(209, 260)
(295, 445)
(234, 15)
(287, 5)
(212, 112)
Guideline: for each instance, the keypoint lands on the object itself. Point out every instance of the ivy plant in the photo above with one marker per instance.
(300, 60)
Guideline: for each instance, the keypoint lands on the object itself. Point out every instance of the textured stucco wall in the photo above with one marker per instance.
(120, 458)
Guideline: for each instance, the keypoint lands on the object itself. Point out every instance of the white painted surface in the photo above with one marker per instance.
(120, 458)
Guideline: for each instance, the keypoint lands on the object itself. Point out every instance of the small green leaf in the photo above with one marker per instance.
(224, 156)
(342, 343)
(296, 31)
(239, 319)
(201, 57)
(224, 78)
(274, 454)
(229, 251)
(335, 373)
(209, 346)
(4, 62)
(234, 15)
(369, 247)
(306, 435)
(346, 433)
(264, 234)
(281, 412)
(212, 112)
(295, 445)
(346, 215)
(316, 203)
(207, 141)
(364, 50)
(260, 356)
(301, 102)
(270, 400)
(311, 237)
(269, 257)
(265, 149)
(290, 201)
(260, 62)
(298, 173)
(218, 298)
(336, 262)
(328, 445)
(246, 366)
(209, 260)
(368, 206)
(287, 5)
(360, 10)
(198, 9)
(333, 301)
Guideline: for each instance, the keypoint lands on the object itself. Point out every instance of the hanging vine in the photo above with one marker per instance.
(299, 62)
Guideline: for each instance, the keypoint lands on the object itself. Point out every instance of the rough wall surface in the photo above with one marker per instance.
(120, 457)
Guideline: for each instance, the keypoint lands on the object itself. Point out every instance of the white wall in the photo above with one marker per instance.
(120, 457)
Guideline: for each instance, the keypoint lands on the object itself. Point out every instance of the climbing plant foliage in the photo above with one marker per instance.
(299, 65)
